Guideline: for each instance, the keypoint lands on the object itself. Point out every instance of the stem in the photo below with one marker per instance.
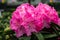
(29, 1)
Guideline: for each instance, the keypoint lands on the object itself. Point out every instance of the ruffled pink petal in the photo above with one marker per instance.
(19, 32)
(27, 30)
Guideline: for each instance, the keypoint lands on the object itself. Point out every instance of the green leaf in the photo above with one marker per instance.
(49, 35)
(39, 36)
(24, 38)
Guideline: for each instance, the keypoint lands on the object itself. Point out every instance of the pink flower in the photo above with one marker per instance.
(27, 19)
(23, 20)
(48, 13)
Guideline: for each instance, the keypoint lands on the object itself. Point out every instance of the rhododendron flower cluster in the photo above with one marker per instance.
(49, 14)
(27, 19)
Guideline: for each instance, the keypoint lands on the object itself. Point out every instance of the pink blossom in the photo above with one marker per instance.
(23, 20)
(49, 14)
(27, 19)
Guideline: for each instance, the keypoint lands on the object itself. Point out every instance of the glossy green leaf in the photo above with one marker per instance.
(49, 35)
(39, 36)
(24, 38)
